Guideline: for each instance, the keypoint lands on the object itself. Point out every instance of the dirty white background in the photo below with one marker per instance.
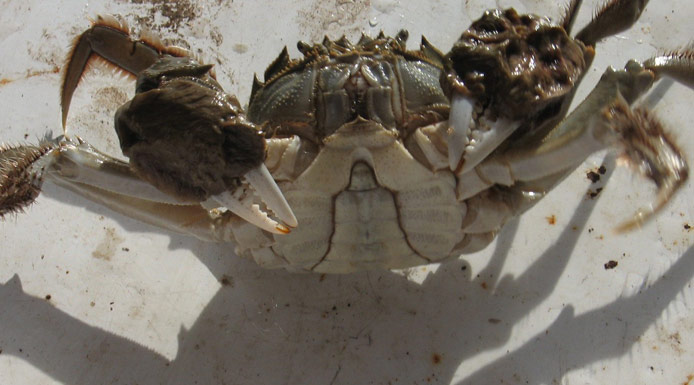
(88, 296)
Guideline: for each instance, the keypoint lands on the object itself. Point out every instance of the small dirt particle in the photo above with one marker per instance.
(602, 170)
(494, 321)
(436, 358)
(687, 227)
(592, 194)
(552, 219)
(48, 297)
(610, 265)
(484, 285)
(226, 281)
(593, 176)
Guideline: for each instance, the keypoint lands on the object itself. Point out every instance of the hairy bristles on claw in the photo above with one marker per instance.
(20, 183)
(570, 13)
(151, 39)
(650, 150)
(611, 18)
(97, 63)
(607, 7)
(112, 22)
(684, 54)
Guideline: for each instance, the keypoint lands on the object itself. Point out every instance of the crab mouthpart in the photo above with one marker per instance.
(264, 187)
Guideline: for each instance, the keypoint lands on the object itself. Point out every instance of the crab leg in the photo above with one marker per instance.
(614, 17)
(102, 179)
(108, 39)
(604, 120)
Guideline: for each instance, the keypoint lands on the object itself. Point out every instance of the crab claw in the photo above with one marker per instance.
(472, 137)
(241, 203)
(459, 120)
(188, 138)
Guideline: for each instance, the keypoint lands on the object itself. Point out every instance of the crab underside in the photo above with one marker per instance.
(365, 155)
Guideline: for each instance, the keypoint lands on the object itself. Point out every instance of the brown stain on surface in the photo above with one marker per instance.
(106, 249)
(29, 75)
(436, 358)
(333, 18)
(175, 13)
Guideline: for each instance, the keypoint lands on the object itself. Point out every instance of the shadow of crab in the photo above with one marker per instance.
(273, 327)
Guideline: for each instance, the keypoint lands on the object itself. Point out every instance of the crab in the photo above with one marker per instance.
(361, 155)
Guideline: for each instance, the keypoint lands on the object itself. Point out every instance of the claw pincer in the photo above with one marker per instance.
(181, 131)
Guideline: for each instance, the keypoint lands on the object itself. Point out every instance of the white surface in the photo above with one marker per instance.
(132, 304)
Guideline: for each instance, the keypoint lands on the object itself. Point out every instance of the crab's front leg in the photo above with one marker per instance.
(184, 136)
(511, 79)
(188, 138)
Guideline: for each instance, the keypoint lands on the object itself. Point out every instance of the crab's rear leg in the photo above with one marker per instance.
(604, 120)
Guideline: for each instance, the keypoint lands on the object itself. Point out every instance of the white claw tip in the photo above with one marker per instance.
(267, 190)
(459, 119)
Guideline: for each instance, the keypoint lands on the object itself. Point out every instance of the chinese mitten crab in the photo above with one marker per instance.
(359, 156)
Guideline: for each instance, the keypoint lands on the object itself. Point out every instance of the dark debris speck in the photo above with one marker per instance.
(436, 358)
(226, 281)
(593, 176)
(592, 194)
(610, 265)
